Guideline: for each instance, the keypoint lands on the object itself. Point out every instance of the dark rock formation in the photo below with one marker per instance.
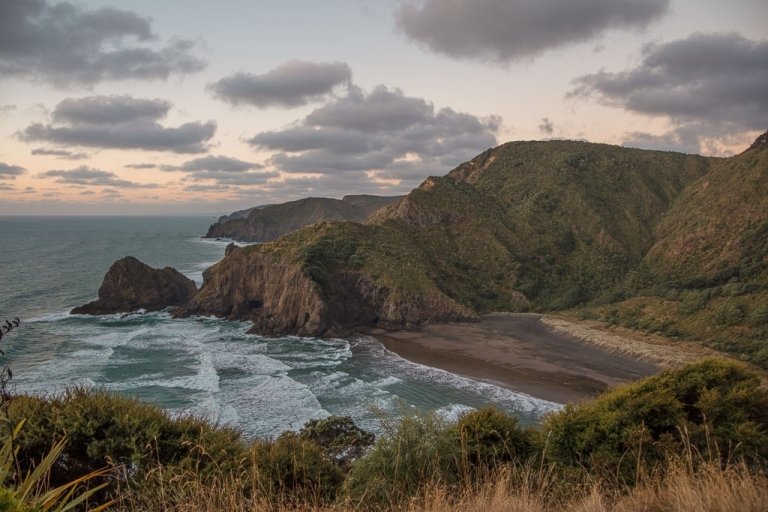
(130, 285)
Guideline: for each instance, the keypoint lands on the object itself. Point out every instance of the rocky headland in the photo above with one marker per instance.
(266, 223)
(130, 285)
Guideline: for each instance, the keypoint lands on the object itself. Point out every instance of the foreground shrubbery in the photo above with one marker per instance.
(705, 425)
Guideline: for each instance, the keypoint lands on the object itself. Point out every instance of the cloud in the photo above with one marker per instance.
(198, 187)
(5, 109)
(87, 176)
(61, 153)
(9, 172)
(6, 187)
(87, 193)
(141, 166)
(503, 31)
(707, 86)
(218, 163)
(223, 171)
(64, 44)
(546, 127)
(119, 122)
(384, 132)
(29, 190)
(293, 84)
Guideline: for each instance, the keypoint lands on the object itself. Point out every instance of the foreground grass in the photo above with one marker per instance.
(683, 487)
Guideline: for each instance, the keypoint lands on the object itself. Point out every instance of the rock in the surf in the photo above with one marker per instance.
(130, 285)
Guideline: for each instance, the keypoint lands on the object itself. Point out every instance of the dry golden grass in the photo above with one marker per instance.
(707, 488)
(646, 347)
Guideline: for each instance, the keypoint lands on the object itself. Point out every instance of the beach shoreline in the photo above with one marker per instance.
(519, 351)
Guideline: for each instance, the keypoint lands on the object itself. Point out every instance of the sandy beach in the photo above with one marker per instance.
(521, 352)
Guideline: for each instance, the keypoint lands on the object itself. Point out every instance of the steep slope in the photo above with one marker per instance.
(563, 221)
(262, 224)
(526, 225)
(706, 275)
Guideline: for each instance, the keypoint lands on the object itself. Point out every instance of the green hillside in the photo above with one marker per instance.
(654, 240)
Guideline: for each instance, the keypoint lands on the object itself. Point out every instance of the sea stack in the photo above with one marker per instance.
(130, 285)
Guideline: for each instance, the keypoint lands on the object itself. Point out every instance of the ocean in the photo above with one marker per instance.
(205, 366)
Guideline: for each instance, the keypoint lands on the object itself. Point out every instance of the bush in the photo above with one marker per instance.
(489, 437)
(108, 430)
(730, 313)
(340, 439)
(415, 452)
(295, 470)
(716, 407)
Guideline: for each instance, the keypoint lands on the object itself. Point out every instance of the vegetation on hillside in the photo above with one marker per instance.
(702, 429)
(660, 241)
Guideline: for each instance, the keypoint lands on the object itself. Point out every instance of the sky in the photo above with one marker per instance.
(116, 107)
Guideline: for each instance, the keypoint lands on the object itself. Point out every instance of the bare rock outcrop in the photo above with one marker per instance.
(130, 285)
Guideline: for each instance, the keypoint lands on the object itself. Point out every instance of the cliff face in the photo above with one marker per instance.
(266, 223)
(130, 285)
(278, 294)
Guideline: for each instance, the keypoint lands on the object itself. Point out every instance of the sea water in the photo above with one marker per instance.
(205, 366)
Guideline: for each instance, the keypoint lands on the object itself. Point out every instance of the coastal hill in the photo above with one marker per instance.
(621, 234)
(265, 223)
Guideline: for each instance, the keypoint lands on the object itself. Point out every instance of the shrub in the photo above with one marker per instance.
(489, 437)
(295, 470)
(716, 407)
(415, 452)
(340, 439)
(104, 429)
(729, 313)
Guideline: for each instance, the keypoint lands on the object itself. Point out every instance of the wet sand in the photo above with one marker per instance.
(518, 351)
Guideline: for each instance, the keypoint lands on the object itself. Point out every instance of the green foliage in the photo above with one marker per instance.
(295, 470)
(714, 407)
(489, 437)
(340, 439)
(108, 430)
(413, 453)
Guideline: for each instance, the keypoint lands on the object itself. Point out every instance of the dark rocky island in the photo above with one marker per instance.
(130, 285)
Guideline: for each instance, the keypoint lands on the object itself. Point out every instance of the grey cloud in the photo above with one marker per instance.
(119, 122)
(293, 84)
(61, 153)
(6, 187)
(28, 190)
(199, 187)
(378, 132)
(234, 178)
(87, 193)
(547, 126)
(9, 171)
(88, 176)
(4, 109)
(218, 163)
(223, 170)
(504, 31)
(711, 82)
(141, 166)
(110, 109)
(65, 44)
(109, 193)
